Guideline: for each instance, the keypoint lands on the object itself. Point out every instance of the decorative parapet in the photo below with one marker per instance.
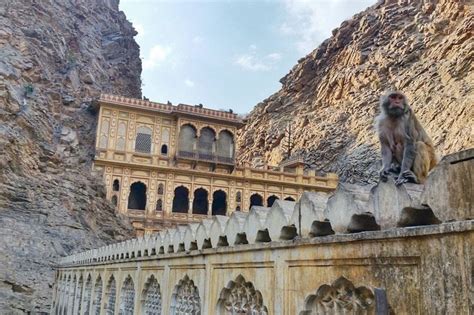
(349, 209)
(171, 109)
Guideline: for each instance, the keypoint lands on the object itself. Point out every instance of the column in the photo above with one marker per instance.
(209, 208)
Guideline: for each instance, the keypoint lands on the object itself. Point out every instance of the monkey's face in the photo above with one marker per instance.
(395, 104)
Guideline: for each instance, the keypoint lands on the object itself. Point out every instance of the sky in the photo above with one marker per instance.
(228, 54)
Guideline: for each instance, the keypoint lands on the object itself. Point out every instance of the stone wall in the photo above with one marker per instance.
(361, 250)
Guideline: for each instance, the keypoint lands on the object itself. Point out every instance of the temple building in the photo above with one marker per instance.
(165, 165)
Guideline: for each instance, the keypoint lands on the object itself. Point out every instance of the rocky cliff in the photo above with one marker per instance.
(55, 58)
(424, 48)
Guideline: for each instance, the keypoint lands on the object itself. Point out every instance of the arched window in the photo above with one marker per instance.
(200, 202)
(225, 144)
(87, 294)
(181, 200)
(238, 197)
(206, 143)
(289, 199)
(114, 200)
(116, 185)
(78, 298)
(271, 200)
(159, 205)
(187, 138)
(110, 296)
(151, 297)
(161, 189)
(137, 197)
(256, 200)
(97, 296)
(127, 297)
(219, 203)
(143, 140)
(164, 149)
(185, 298)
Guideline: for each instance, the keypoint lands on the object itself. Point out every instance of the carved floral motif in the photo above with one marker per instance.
(240, 297)
(341, 297)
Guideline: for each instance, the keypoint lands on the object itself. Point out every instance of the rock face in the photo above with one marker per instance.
(55, 59)
(424, 48)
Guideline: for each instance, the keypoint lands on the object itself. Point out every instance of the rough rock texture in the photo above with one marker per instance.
(424, 48)
(55, 58)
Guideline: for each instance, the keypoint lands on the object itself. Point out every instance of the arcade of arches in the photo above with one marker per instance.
(165, 165)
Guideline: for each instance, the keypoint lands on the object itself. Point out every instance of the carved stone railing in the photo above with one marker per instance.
(195, 155)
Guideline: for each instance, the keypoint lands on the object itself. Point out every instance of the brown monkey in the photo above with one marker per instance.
(406, 147)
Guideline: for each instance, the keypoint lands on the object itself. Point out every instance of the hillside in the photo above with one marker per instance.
(55, 58)
(424, 48)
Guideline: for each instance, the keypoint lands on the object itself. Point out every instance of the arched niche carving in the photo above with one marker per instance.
(151, 297)
(240, 297)
(340, 297)
(185, 298)
(127, 296)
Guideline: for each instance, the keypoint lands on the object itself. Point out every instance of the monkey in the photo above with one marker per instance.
(406, 147)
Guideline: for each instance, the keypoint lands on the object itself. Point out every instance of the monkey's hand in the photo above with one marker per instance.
(384, 175)
(406, 177)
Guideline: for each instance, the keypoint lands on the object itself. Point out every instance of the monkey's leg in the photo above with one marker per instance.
(387, 158)
(409, 156)
(422, 162)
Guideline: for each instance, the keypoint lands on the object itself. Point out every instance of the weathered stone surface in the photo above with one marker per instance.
(348, 209)
(52, 54)
(388, 201)
(331, 95)
(311, 205)
(449, 190)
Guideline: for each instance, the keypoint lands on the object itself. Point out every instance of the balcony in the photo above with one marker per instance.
(206, 157)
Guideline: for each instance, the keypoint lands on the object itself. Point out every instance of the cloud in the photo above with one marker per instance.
(189, 83)
(310, 22)
(156, 56)
(197, 39)
(251, 61)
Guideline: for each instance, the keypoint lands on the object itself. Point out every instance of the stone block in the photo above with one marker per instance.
(234, 229)
(348, 210)
(449, 189)
(311, 205)
(254, 226)
(217, 231)
(278, 221)
(202, 234)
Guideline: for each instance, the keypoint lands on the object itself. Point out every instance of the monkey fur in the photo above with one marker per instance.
(406, 147)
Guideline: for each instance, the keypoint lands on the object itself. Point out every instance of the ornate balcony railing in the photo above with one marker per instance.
(205, 157)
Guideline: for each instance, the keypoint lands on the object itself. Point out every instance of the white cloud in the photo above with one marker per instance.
(310, 22)
(189, 83)
(156, 56)
(274, 56)
(198, 39)
(253, 62)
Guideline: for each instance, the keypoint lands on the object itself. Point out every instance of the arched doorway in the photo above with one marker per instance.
(289, 199)
(181, 200)
(219, 203)
(137, 196)
(256, 200)
(225, 146)
(200, 202)
(271, 200)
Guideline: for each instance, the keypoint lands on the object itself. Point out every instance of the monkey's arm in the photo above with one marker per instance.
(406, 175)
(387, 157)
